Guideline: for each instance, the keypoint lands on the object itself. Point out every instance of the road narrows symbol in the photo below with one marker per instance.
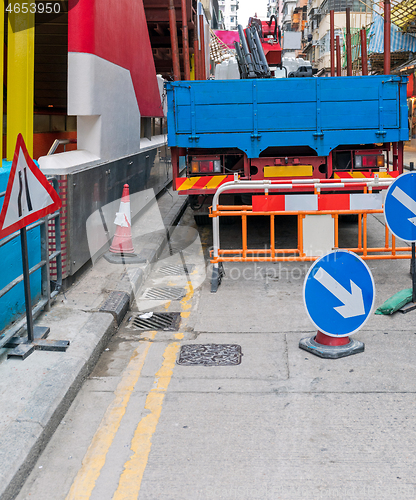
(29, 195)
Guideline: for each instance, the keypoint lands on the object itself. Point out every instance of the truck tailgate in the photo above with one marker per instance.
(252, 115)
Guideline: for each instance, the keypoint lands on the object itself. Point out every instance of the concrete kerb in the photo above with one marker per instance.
(26, 437)
(28, 434)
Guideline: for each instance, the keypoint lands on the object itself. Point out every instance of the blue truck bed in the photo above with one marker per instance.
(252, 115)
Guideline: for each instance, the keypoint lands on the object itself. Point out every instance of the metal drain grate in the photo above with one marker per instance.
(210, 355)
(175, 270)
(157, 321)
(165, 293)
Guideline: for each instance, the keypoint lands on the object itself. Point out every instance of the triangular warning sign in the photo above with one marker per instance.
(29, 196)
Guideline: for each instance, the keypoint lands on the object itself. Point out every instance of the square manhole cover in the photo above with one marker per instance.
(165, 293)
(155, 321)
(210, 355)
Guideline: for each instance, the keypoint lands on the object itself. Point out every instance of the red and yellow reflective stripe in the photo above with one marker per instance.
(202, 182)
(366, 175)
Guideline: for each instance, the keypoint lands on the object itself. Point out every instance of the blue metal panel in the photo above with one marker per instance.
(12, 305)
(252, 115)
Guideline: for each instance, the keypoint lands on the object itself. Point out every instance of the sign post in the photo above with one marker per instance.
(400, 215)
(339, 295)
(26, 282)
(29, 197)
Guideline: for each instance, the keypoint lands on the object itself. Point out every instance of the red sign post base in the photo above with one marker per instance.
(325, 346)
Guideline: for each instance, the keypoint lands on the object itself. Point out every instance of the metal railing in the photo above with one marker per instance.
(58, 142)
(44, 265)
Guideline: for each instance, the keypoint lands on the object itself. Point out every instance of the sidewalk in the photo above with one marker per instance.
(36, 392)
(409, 154)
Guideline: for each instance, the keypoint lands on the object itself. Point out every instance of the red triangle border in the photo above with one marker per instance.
(32, 217)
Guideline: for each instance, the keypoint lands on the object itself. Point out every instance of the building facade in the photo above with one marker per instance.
(312, 18)
(229, 14)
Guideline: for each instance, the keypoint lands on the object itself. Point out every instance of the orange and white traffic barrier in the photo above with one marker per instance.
(302, 205)
(317, 202)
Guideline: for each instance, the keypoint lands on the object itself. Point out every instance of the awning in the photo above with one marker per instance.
(400, 42)
(228, 37)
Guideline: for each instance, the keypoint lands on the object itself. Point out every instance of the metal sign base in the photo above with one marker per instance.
(22, 348)
(331, 352)
(217, 275)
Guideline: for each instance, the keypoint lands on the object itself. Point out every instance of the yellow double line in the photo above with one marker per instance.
(94, 459)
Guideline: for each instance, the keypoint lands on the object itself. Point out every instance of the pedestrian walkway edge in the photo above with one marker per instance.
(27, 436)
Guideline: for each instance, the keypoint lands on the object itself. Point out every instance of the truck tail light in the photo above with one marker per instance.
(205, 166)
(380, 161)
(217, 166)
(369, 161)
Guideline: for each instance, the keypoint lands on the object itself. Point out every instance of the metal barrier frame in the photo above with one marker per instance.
(296, 254)
(44, 264)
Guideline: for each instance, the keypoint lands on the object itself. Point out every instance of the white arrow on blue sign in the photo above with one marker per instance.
(339, 293)
(400, 207)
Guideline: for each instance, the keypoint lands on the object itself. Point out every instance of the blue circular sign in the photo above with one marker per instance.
(339, 293)
(400, 207)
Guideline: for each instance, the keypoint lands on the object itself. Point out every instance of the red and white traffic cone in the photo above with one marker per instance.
(122, 250)
(326, 346)
(122, 242)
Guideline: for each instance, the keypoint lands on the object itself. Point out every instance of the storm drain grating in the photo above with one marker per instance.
(156, 321)
(165, 293)
(175, 270)
(210, 355)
